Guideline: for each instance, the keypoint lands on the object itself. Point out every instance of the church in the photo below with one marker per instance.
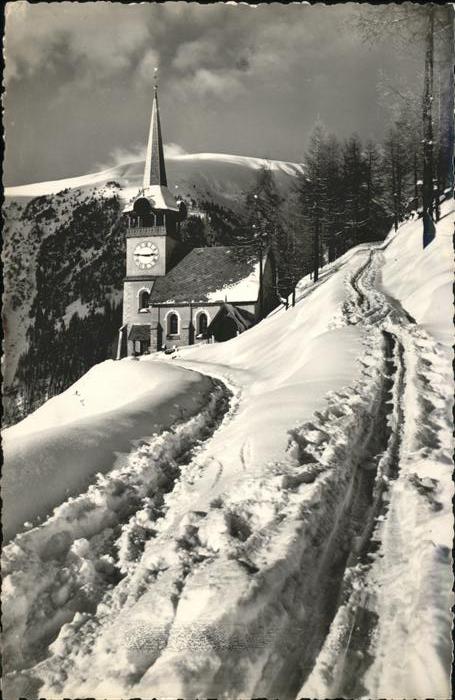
(210, 295)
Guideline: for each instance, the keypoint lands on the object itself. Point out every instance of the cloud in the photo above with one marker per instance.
(171, 150)
(98, 41)
(136, 154)
(193, 53)
(123, 156)
(204, 84)
(232, 77)
(146, 68)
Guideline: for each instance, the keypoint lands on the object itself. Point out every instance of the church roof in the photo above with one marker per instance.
(139, 332)
(155, 181)
(241, 318)
(155, 170)
(215, 274)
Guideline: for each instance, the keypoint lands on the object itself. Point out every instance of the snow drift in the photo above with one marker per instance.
(56, 451)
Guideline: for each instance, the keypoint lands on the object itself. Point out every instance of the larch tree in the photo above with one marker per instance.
(313, 193)
(429, 28)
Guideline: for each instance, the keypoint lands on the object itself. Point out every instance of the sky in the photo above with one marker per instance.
(233, 78)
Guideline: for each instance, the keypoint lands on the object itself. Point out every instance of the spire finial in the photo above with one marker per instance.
(155, 79)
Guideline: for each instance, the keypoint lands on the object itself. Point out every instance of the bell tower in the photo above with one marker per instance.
(152, 219)
(152, 216)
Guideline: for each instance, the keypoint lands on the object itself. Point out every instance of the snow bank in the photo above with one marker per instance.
(55, 451)
(422, 279)
(60, 570)
(285, 367)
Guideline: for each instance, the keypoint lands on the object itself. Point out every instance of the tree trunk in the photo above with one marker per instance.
(261, 304)
(427, 118)
(394, 185)
(316, 252)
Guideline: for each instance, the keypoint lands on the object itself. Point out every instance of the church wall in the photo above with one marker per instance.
(187, 334)
(131, 301)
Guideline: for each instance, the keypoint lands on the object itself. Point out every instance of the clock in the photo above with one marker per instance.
(146, 255)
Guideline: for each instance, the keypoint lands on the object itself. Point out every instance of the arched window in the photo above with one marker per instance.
(172, 324)
(202, 323)
(144, 300)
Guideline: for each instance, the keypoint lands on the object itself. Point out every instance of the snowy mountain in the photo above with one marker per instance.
(219, 176)
(266, 517)
(64, 257)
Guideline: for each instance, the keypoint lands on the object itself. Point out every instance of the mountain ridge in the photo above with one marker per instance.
(219, 168)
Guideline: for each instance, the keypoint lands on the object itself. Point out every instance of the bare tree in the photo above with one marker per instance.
(422, 26)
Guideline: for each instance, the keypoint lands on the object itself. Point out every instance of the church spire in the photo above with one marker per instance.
(155, 171)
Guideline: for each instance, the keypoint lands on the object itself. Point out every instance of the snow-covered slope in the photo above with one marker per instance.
(291, 539)
(422, 280)
(63, 262)
(218, 175)
(56, 451)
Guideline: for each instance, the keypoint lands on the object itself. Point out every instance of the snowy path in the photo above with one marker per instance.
(291, 540)
(367, 651)
(61, 570)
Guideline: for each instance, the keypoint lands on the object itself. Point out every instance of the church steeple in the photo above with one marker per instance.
(155, 170)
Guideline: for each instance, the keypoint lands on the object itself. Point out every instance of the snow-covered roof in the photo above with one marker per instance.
(216, 274)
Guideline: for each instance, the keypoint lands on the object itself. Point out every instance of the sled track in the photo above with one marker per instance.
(349, 545)
(351, 541)
(104, 530)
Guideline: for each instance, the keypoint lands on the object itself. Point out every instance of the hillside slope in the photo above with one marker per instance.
(64, 253)
(299, 545)
(63, 258)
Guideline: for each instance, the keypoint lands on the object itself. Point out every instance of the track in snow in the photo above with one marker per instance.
(350, 543)
(348, 650)
(66, 566)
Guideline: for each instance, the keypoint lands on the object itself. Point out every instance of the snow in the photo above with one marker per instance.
(298, 513)
(248, 161)
(422, 279)
(76, 307)
(57, 450)
(38, 189)
(160, 197)
(246, 289)
(130, 174)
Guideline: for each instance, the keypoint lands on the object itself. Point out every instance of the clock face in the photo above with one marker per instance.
(146, 255)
